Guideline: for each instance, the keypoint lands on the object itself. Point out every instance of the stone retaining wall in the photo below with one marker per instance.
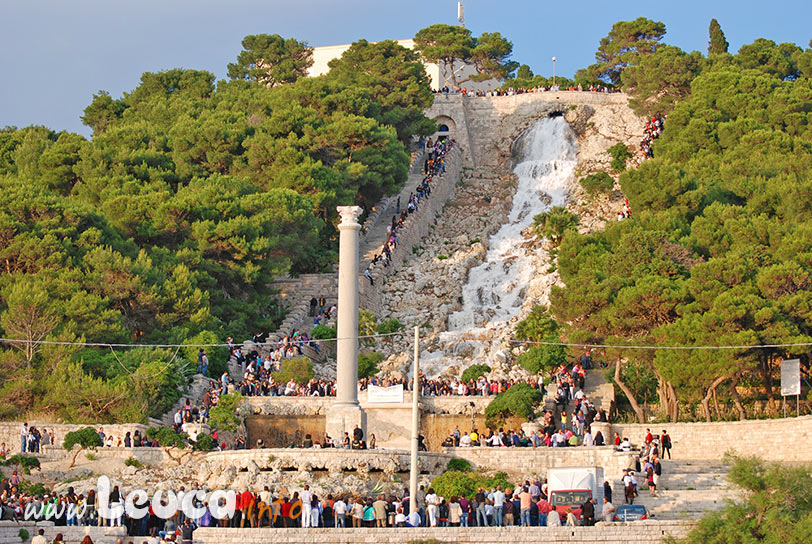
(416, 229)
(319, 405)
(10, 531)
(10, 431)
(709, 441)
(640, 533)
(523, 462)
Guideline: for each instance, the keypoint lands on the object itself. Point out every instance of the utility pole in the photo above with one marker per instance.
(415, 424)
(461, 14)
(553, 71)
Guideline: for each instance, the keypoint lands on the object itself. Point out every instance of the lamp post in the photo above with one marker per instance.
(553, 71)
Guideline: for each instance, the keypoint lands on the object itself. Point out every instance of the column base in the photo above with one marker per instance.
(343, 419)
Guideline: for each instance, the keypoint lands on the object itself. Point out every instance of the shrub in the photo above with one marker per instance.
(132, 462)
(90, 456)
(367, 326)
(474, 371)
(460, 465)
(554, 223)
(25, 462)
(218, 356)
(520, 400)
(537, 325)
(465, 484)
(368, 363)
(167, 437)
(619, 153)
(86, 437)
(38, 490)
(224, 415)
(24, 535)
(543, 358)
(389, 326)
(323, 332)
(598, 182)
(204, 442)
(299, 370)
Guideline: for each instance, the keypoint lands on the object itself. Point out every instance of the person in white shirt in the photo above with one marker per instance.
(588, 440)
(340, 510)
(413, 520)
(498, 498)
(465, 441)
(553, 519)
(625, 445)
(433, 507)
(39, 539)
(306, 497)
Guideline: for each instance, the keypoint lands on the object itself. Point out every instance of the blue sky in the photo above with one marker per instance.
(55, 54)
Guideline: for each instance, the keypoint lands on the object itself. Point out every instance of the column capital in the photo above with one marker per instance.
(349, 216)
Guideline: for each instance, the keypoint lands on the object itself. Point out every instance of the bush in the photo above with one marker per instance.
(37, 490)
(24, 535)
(460, 465)
(204, 442)
(520, 400)
(537, 325)
(619, 153)
(598, 182)
(132, 462)
(368, 363)
(367, 326)
(554, 223)
(474, 371)
(388, 326)
(86, 437)
(25, 462)
(167, 437)
(543, 358)
(323, 332)
(224, 415)
(299, 370)
(218, 356)
(465, 484)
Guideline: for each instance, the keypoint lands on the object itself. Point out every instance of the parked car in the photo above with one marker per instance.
(632, 512)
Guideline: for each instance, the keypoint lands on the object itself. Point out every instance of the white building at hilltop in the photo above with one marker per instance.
(439, 76)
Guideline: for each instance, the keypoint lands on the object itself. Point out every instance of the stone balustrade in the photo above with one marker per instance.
(10, 532)
(318, 405)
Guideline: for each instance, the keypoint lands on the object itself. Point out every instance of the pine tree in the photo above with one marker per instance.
(717, 43)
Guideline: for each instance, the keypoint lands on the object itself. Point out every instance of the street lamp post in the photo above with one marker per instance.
(553, 71)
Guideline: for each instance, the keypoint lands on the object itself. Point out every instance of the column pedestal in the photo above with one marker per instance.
(343, 419)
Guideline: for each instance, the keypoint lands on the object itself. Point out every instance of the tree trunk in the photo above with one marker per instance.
(641, 415)
(709, 394)
(716, 406)
(737, 401)
(767, 382)
(673, 403)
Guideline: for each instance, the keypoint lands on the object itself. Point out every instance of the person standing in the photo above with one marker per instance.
(608, 510)
(665, 444)
(588, 512)
(23, 437)
(498, 506)
(306, 498)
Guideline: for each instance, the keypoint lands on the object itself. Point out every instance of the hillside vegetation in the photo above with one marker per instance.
(719, 247)
(170, 223)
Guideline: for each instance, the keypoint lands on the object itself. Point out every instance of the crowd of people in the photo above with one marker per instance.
(31, 439)
(434, 164)
(654, 127)
(511, 91)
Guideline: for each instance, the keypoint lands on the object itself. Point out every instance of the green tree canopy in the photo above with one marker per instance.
(271, 60)
(626, 45)
(717, 43)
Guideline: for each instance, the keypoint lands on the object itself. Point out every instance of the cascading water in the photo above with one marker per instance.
(544, 158)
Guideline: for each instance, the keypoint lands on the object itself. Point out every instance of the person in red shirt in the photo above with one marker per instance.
(649, 438)
(617, 439)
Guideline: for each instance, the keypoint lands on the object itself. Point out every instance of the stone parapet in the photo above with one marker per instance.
(10, 532)
(319, 405)
(523, 462)
(709, 441)
(645, 532)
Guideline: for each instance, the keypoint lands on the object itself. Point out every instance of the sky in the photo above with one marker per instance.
(54, 55)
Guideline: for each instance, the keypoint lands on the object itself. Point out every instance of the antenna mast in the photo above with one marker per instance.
(461, 14)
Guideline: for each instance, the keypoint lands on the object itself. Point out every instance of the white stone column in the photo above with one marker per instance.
(346, 412)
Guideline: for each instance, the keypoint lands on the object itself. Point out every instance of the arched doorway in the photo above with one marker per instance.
(446, 128)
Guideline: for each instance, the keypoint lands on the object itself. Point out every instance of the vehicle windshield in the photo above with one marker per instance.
(566, 498)
(630, 512)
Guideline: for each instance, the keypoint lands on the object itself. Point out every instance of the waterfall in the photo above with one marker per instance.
(544, 158)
